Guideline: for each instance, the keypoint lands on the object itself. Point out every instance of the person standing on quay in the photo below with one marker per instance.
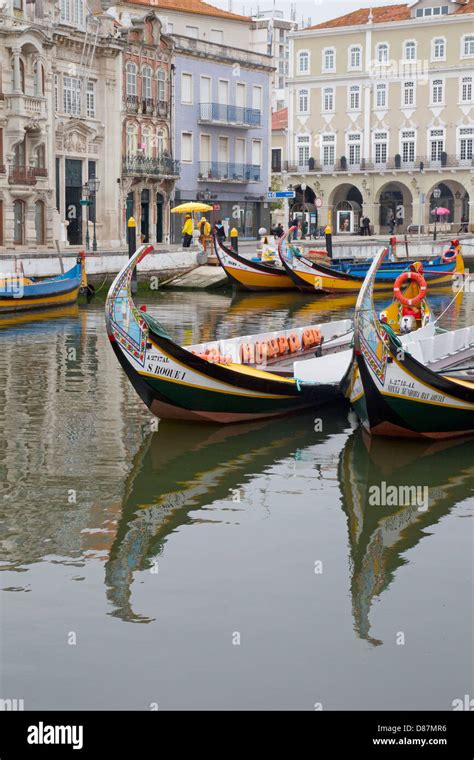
(188, 230)
(204, 232)
(220, 231)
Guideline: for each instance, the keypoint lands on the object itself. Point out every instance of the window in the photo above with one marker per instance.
(18, 5)
(355, 57)
(276, 160)
(381, 96)
(303, 101)
(56, 93)
(160, 142)
(328, 99)
(302, 150)
(39, 222)
(146, 83)
(381, 52)
(436, 142)
(187, 88)
(408, 146)
(90, 99)
(161, 85)
(192, 31)
(437, 91)
(354, 147)
(410, 50)
(329, 59)
(438, 49)
(216, 36)
(466, 143)
(328, 143)
(303, 62)
(380, 147)
(18, 222)
(38, 78)
(354, 98)
(40, 157)
(257, 98)
(132, 140)
(186, 147)
(131, 78)
(468, 45)
(466, 90)
(408, 94)
(72, 95)
(72, 12)
(256, 152)
(146, 142)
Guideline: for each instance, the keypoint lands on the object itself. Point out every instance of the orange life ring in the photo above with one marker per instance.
(449, 255)
(403, 277)
(294, 343)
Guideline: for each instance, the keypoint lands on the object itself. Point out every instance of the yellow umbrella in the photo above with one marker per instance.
(188, 208)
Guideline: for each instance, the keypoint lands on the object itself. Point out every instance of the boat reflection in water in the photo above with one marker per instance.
(374, 474)
(182, 468)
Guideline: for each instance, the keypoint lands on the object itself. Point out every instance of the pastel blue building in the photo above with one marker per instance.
(222, 132)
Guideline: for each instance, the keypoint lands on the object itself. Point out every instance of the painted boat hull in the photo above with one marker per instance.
(396, 395)
(251, 275)
(43, 294)
(309, 276)
(174, 383)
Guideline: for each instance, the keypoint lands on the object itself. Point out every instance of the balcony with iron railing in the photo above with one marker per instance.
(396, 163)
(219, 171)
(150, 106)
(142, 166)
(235, 116)
(21, 175)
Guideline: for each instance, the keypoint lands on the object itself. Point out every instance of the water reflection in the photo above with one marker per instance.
(377, 470)
(182, 468)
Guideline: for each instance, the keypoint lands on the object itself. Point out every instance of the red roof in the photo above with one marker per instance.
(380, 15)
(280, 119)
(191, 6)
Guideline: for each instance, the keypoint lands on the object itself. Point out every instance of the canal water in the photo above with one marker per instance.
(188, 566)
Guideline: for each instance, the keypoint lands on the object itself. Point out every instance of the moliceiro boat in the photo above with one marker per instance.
(246, 274)
(20, 293)
(347, 275)
(419, 389)
(223, 381)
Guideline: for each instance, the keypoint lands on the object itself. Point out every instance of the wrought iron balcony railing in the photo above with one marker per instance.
(155, 167)
(21, 175)
(419, 163)
(233, 115)
(219, 171)
(131, 103)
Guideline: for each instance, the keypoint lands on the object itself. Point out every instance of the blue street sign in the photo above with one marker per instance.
(281, 194)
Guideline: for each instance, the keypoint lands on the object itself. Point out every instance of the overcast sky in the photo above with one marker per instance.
(316, 10)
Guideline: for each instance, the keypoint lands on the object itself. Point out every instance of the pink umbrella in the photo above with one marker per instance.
(441, 211)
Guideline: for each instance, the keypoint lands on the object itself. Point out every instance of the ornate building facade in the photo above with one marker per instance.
(149, 171)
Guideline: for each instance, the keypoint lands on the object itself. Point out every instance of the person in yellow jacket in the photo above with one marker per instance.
(188, 230)
(204, 232)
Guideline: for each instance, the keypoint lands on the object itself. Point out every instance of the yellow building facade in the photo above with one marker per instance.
(381, 116)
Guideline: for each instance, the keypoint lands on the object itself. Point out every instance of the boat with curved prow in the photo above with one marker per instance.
(223, 381)
(246, 274)
(20, 293)
(347, 275)
(418, 390)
